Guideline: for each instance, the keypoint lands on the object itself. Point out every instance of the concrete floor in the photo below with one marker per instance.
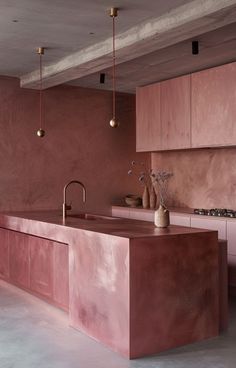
(34, 334)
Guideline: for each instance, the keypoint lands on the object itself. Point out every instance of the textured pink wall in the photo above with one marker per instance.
(202, 178)
(79, 145)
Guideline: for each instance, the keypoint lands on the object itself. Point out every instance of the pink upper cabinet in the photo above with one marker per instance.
(148, 123)
(175, 113)
(214, 107)
(163, 115)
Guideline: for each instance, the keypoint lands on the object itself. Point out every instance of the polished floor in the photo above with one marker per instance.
(34, 334)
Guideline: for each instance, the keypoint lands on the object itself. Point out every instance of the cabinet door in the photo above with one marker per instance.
(231, 237)
(19, 259)
(214, 107)
(4, 254)
(175, 113)
(41, 266)
(181, 220)
(148, 123)
(61, 275)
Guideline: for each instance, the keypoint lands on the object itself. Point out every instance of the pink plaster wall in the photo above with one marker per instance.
(79, 144)
(202, 178)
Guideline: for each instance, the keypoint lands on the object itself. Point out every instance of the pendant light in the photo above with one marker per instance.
(40, 131)
(113, 122)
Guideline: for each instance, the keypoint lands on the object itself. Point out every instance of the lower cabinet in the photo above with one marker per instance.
(4, 254)
(41, 266)
(61, 275)
(210, 224)
(19, 259)
(36, 264)
(180, 220)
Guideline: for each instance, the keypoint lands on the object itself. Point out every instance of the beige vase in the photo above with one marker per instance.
(145, 197)
(153, 198)
(162, 217)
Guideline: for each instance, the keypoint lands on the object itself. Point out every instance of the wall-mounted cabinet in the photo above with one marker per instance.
(148, 123)
(192, 111)
(163, 115)
(214, 107)
(175, 113)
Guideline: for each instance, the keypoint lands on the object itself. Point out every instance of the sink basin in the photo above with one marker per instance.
(89, 216)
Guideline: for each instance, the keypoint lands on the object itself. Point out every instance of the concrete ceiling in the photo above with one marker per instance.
(153, 39)
(63, 26)
(215, 48)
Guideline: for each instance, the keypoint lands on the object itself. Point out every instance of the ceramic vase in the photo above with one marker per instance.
(145, 197)
(153, 198)
(162, 217)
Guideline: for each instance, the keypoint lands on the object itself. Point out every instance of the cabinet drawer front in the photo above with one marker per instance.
(142, 215)
(180, 220)
(210, 224)
(41, 266)
(121, 212)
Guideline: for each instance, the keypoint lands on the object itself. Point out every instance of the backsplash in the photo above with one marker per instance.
(203, 178)
(79, 144)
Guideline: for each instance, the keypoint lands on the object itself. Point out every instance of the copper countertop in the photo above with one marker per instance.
(49, 224)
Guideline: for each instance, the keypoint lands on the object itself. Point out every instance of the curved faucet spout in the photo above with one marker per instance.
(65, 205)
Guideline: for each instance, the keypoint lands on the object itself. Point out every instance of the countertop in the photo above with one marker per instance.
(49, 224)
(171, 209)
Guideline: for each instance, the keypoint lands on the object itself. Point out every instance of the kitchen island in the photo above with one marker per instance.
(138, 289)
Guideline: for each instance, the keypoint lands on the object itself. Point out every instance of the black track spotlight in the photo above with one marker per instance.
(102, 78)
(195, 47)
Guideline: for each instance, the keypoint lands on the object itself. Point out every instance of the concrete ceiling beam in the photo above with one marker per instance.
(182, 23)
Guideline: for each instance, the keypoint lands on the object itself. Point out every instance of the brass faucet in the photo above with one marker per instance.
(67, 207)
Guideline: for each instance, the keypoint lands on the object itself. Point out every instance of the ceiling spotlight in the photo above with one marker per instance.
(102, 78)
(195, 48)
(113, 122)
(40, 131)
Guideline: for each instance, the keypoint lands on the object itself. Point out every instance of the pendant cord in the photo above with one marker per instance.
(113, 70)
(40, 92)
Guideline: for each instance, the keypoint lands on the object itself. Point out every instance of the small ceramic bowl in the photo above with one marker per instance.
(133, 200)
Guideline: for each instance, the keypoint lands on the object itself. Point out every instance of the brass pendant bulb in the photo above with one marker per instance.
(41, 133)
(114, 123)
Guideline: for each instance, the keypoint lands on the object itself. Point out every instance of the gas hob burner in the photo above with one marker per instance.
(218, 212)
(199, 211)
